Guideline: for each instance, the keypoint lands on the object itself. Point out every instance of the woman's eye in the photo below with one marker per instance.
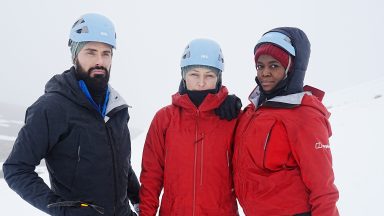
(259, 67)
(274, 66)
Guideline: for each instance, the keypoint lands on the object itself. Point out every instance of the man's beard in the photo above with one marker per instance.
(96, 84)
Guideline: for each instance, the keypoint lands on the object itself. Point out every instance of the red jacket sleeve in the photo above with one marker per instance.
(311, 149)
(151, 176)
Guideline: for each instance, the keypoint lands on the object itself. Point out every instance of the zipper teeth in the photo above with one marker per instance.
(113, 167)
(194, 180)
(242, 138)
(202, 160)
(194, 167)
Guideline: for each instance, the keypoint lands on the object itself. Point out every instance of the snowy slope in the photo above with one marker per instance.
(11, 120)
(357, 117)
(12, 204)
(357, 146)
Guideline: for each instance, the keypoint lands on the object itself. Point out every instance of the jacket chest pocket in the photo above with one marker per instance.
(256, 140)
(268, 145)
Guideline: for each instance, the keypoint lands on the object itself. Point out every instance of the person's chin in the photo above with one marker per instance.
(98, 76)
(267, 88)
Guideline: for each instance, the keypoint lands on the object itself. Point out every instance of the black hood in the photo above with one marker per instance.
(67, 85)
(299, 40)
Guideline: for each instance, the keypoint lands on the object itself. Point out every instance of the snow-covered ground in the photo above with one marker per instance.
(357, 146)
(13, 205)
(357, 118)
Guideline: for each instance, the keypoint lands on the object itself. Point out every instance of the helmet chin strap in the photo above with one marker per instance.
(289, 65)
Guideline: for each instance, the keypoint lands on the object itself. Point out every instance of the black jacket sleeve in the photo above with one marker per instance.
(32, 145)
(133, 187)
(230, 108)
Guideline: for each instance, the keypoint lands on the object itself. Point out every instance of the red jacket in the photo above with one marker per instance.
(282, 160)
(188, 152)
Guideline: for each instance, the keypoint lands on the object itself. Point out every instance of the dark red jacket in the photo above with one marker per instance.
(282, 159)
(188, 153)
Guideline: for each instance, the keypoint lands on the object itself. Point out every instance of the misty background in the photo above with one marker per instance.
(346, 38)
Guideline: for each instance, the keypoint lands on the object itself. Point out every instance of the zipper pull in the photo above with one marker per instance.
(78, 153)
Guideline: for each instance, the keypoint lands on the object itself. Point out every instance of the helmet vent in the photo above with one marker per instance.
(84, 29)
(78, 22)
(288, 39)
(187, 55)
(220, 58)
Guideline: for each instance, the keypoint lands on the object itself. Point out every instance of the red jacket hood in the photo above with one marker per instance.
(211, 102)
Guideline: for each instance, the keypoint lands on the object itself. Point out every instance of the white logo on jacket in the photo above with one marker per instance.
(320, 145)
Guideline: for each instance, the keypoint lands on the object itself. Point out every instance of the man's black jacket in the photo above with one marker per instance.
(88, 157)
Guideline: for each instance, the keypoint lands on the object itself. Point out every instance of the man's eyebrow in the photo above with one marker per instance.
(95, 50)
(90, 49)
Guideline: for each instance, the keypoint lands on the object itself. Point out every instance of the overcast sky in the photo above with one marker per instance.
(347, 49)
(346, 38)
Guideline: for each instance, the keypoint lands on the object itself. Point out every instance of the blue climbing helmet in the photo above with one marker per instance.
(203, 52)
(93, 27)
(279, 39)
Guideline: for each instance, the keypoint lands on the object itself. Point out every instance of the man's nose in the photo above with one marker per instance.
(99, 60)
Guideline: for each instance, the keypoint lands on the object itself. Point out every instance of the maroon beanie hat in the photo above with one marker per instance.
(269, 49)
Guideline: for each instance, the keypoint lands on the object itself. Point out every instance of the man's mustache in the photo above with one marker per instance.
(98, 68)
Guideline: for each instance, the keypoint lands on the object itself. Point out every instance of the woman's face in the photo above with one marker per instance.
(199, 79)
(269, 72)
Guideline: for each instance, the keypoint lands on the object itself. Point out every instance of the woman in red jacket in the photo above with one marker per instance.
(188, 148)
(282, 159)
